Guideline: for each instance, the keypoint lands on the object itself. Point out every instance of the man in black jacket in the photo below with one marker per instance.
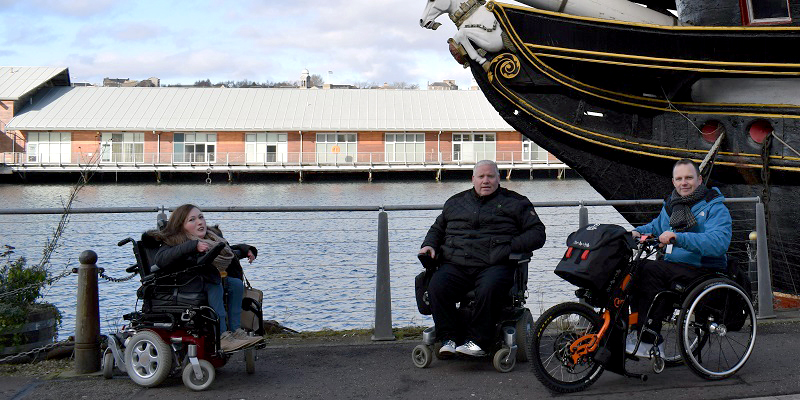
(473, 237)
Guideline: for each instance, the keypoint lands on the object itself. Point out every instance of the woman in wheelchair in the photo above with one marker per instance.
(185, 235)
(695, 226)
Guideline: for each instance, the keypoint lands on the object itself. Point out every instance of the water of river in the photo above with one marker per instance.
(317, 270)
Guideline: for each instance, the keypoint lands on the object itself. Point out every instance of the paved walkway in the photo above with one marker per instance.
(353, 369)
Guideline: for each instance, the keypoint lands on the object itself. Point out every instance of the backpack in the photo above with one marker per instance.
(594, 255)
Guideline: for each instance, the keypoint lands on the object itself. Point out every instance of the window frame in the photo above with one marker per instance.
(746, 7)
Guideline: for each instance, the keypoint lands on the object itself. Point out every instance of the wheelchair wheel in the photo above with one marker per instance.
(108, 365)
(672, 348)
(499, 361)
(718, 329)
(553, 333)
(422, 356)
(250, 361)
(524, 332)
(148, 359)
(192, 382)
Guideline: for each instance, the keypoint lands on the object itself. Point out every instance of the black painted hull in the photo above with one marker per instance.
(620, 113)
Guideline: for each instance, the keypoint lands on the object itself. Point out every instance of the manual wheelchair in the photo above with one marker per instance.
(176, 331)
(712, 329)
(513, 329)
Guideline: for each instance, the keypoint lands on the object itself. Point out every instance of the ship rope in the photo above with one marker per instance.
(778, 138)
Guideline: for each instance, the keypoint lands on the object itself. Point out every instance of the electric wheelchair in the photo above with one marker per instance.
(176, 331)
(712, 327)
(513, 329)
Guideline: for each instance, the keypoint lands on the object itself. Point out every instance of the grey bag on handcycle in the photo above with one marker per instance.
(251, 316)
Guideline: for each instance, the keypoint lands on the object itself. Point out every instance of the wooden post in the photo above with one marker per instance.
(87, 319)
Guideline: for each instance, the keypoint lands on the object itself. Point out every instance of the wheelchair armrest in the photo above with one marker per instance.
(520, 257)
(211, 255)
(427, 261)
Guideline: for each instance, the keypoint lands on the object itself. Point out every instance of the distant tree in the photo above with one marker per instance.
(403, 85)
(316, 80)
(365, 85)
(203, 83)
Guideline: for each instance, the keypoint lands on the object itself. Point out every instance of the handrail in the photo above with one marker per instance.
(410, 207)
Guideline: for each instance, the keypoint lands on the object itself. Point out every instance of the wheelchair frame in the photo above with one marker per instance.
(581, 350)
(158, 344)
(512, 346)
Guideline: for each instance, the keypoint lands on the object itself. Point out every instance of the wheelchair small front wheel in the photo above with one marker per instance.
(549, 350)
(718, 329)
(108, 365)
(197, 384)
(422, 356)
(502, 362)
(250, 361)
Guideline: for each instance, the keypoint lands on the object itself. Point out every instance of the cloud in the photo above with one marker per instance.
(72, 8)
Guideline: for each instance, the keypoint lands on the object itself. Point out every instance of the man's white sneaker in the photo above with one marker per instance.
(471, 349)
(448, 348)
(630, 342)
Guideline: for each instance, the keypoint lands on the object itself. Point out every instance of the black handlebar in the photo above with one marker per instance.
(125, 241)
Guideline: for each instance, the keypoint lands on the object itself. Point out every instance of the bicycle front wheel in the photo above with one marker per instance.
(549, 350)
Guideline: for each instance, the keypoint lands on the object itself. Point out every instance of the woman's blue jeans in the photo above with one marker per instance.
(235, 290)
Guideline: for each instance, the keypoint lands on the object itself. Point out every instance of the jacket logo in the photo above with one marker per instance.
(592, 227)
(580, 244)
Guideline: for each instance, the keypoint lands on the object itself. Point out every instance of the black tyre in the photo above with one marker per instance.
(108, 365)
(718, 329)
(549, 353)
(524, 333)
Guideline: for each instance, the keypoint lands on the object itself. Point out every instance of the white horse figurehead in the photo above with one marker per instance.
(433, 10)
(476, 25)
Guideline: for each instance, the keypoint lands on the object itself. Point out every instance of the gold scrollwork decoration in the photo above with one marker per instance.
(507, 65)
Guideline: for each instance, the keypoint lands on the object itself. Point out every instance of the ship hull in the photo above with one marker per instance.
(622, 125)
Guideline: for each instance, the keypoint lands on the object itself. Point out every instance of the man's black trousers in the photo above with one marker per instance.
(656, 276)
(451, 283)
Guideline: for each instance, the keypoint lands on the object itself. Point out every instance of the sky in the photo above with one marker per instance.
(259, 40)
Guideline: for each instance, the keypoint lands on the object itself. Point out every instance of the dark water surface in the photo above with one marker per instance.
(317, 270)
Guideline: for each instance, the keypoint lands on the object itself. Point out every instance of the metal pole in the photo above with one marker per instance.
(583, 216)
(765, 307)
(383, 295)
(87, 318)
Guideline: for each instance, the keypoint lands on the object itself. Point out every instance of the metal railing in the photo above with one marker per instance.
(340, 267)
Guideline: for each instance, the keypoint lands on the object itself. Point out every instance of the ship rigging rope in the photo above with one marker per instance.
(785, 144)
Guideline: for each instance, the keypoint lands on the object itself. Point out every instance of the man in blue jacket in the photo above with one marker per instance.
(697, 226)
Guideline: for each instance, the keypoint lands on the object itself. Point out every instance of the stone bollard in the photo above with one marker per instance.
(87, 318)
(383, 294)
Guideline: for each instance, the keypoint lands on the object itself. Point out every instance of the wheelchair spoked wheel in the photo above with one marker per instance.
(191, 380)
(718, 329)
(553, 333)
(148, 359)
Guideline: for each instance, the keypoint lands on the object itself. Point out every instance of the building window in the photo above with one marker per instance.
(194, 147)
(473, 147)
(765, 12)
(266, 147)
(337, 147)
(404, 147)
(49, 147)
(123, 147)
(530, 151)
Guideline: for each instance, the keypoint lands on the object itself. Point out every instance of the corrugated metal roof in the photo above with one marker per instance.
(254, 109)
(15, 82)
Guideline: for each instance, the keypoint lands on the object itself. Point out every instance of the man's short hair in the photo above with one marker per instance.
(486, 162)
(686, 161)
